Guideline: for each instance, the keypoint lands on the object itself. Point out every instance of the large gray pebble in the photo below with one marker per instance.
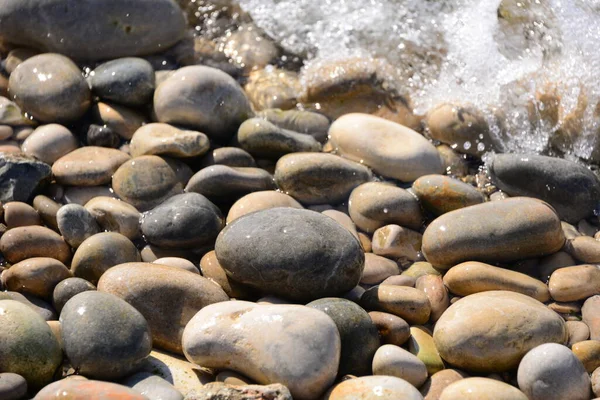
(128, 81)
(76, 224)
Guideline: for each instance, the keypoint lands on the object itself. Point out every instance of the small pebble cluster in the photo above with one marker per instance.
(176, 227)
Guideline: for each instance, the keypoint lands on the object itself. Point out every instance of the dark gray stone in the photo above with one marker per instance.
(230, 156)
(308, 122)
(295, 254)
(20, 177)
(152, 386)
(76, 224)
(67, 289)
(12, 386)
(103, 336)
(185, 220)
(360, 337)
(92, 30)
(571, 188)
(102, 136)
(129, 81)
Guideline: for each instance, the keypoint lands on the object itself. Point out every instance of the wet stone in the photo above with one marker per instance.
(67, 289)
(128, 81)
(88, 166)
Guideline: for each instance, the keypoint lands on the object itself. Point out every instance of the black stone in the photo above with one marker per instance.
(20, 177)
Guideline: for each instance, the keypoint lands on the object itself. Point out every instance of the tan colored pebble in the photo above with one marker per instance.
(588, 352)
(408, 303)
(152, 253)
(400, 280)
(343, 219)
(49, 142)
(17, 214)
(24, 242)
(551, 263)
(596, 382)
(373, 388)
(584, 248)
(211, 269)
(434, 289)
(365, 242)
(165, 139)
(435, 385)
(392, 329)
(420, 268)
(114, 215)
(393, 360)
(177, 262)
(47, 209)
(122, 120)
(36, 276)
(397, 242)
(82, 194)
(9, 146)
(377, 269)
(441, 194)
(481, 389)
(88, 166)
(56, 330)
(574, 283)
(454, 163)
(571, 307)
(422, 345)
(578, 332)
(260, 201)
(6, 132)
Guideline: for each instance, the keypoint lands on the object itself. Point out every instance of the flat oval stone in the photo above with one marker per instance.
(375, 204)
(65, 27)
(76, 224)
(319, 178)
(49, 87)
(435, 290)
(374, 388)
(68, 288)
(27, 345)
(121, 120)
(574, 283)
(506, 230)
(164, 139)
(435, 385)
(481, 389)
(168, 297)
(390, 149)
(47, 209)
(49, 142)
(392, 360)
(392, 329)
(326, 260)
(230, 156)
(258, 201)
(37, 276)
(474, 277)
(203, 98)
(552, 372)
(584, 248)
(588, 352)
(408, 303)
(128, 81)
(12, 386)
(307, 354)
(76, 389)
(440, 194)
(397, 242)
(212, 270)
(88, 166)
(33, 241)
(185, 220)
(17, 213)
(308, 122)
(359, 335)
(114, 215)
(377, 269)
(572, 189)
(492, 331)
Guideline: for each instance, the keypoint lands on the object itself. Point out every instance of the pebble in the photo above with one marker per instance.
(359, 335)
(319, 178)
(83, 389)
(572, 189)
(102, 136)
(374, 388)
(308, 122)
(547, 265)
(164, 139)
(49, 87)
(578, 332)
(47, 209)
(436, 383)
(17, 213)
(27, 345)
(114, 215)
(585, 249)
(212, 270)
(232, 378)
(258, 201)
(5, 132)
(397, 242)
(422, 345)
(551, 371)
(96, 254)
(390, 149)
(250, 48)
(469, 336)
(25, 242)
(474, 277)
(273, 88)
(590, 315)
(88, 166)
(128, 81)
(195, 97)
(82, 194)
(187, 220)
(377, 269)
(493, 232)
(307, 344)
(12, 386)
(41, 307)
(588, 352)
(408, 303)
(68, 288)
(481, 389)
(152, 386)
(177, 262)
(121, 120)
(435, 290)
(373, 205)
(168, 297)
(21, 176)
(326, 260)
(420, 268)
(218, 390)
(36, 276)
(392, 360)
(342, 219)
(76, 224)
(392, 329)
(574, 283)
(440, 194)
(103, 336)
(49, 142)
(230, 156)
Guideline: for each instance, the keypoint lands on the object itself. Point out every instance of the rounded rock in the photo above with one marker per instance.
(585, 249)
(392, 329)
(76, 224)
(481, 389)
(128, 81)
(25, 242)
(588, 352)
(258, 201)
(307, 122)
(37, 276)
(121, 120)
(408, 303)
(49, 142)
(395, 361)
(374, 388)
(397, 242)
(440, 194)
(83, 389)
(212, 270)
(230, 156)
(574, 283)
(435, 385)
(88, 166)
(177, 262)
(12, 386)
(377, 269)
(17, 214)
(164, 139)
(67, 289)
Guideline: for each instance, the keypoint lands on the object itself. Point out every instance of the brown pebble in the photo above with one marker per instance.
(574, 283)
(584, 248)
(47, 209)
(17, 213)
(392, 329)
(24, 242)
(435, 385)
(36, 276)
(211, 269)
(408, 303)
(588, 352)
(400, 280)
(88, 166)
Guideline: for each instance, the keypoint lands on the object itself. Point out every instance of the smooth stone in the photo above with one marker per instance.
(308, 122)
(436, 383)
(151, 253)
(185, 220)
(392, 329)
(481, 389)
(307, 356)
(569, 230)
(408, 303)
(219, 390)
(435, 290)
(203, 98)
(68, 288)
(102, 136)
(82, 194)
(6, 132)
(100, 252)
(590, 314)
(83, 389)
(377, 269)
(146, 181)
(50, 142)
(586, 228)
(358, 333)
(103, 336)
(422, 345)
(343, 219)
(36, 276)
(574, 283)
(474, 277)
(390, 149)
(11, 114)
(319, 178)
(47, 209)
(578, 332)
(88, 166)
(230, 156)
(212, 270)
(493, 232)
(177, 262)
(232, 378)
(326, 260)
(469, 334)
(588, 352)
(21, 176)
(572, 189)
(273, 87)
(27, 345)
(76, 224)
(164, 139)
(168, 297)
(16, 57)
(223, 183)
(258, 201)
(373, 205)
(374, 388)
(12, 386)
(121, 120)
(261, 138)
(440, 194)
(400, 280)
(25, 242)
(114, 215)
(585, 249)
(152, 386)
(397, 242)
(17, 213)
(129, 81)
(392, 360)
(365, 241)
(551, 371)
(49, 87)
(420, 268)
(22, 133)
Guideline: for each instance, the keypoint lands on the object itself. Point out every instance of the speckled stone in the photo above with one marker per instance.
(440, 194)
(24, 242)
(575, 283)
(114, 215)
(164, 139)
(68, 288)
(36, 276)
(76, 224)
(275, 391)
(88, 166)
